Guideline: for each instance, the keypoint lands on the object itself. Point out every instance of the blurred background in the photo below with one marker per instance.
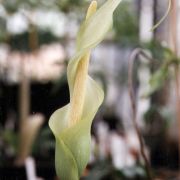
(37, 39)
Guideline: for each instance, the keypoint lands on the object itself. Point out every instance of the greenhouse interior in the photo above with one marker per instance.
(89, 90)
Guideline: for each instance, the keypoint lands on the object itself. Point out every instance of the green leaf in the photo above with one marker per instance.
(71, 124)
(157, 80)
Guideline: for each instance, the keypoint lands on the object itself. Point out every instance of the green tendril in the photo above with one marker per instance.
(163, 18)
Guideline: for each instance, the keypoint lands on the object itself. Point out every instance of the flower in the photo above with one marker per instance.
(71, 124)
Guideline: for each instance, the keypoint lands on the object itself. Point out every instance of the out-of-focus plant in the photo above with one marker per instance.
(157, 80)
(126, 25)
(8, 145)
(132, 96)
(13, 6)
(102, 170)
(28, 132)
(3, 32)
(71, 124)
(43, 150)
(20, 42)
(167, 57)
(164, 60)
(64, 5)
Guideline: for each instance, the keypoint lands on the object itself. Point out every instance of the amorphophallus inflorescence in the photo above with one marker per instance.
(71, 124)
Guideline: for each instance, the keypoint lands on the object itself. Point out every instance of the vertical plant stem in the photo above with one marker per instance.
(33, 37)
(24, 92)
(24, 99)
(176, 68)
(133, 56)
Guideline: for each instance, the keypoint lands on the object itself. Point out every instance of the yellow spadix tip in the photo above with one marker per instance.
(92, 9)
